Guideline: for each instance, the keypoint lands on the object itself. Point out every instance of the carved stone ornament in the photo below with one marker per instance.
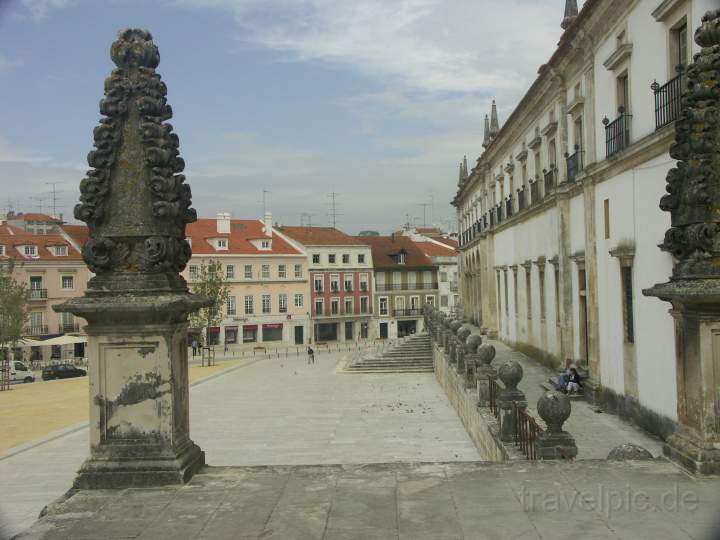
(134, 200)
(693, 186)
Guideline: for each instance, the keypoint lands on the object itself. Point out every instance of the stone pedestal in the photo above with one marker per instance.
(139, 406)
(484, 372)
(696, 444)
(510, 373)
(554, 443)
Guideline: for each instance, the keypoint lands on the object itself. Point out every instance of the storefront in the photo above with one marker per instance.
(406, 328)
(326, 332)
(250, 333)
(231, 335)
(272, 332)
(213, 335)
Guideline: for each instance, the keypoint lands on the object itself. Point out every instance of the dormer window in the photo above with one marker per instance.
(265, 244)
(60, 251)
(221, 243)
(30, 251)
(2, 250)
(401, 257)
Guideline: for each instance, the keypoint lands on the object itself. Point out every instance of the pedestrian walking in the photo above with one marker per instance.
(311, 355)
(194, 346)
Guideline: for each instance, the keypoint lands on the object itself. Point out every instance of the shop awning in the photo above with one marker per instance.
(60, 340)
(231, 328)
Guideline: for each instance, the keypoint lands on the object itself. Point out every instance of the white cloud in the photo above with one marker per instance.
(428, 45)
(40, 9)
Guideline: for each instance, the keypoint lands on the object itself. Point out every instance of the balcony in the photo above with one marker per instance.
(617, 133)
(550, 178)
(407, 312)
(363, 287)
(574, 164)
(37, 330)
(335, 288)
(382, 287)
(348, 288)
(509, 206)
(521, 199)
(72, 328)
(535, 191)
(38, 294)
(453, 285)
(667, 100)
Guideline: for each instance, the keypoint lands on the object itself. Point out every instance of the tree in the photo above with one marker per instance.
(13, 308)
(210, 283)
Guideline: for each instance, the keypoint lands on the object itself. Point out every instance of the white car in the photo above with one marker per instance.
(19, 372)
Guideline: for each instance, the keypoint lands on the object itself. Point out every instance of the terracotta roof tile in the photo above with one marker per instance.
(14, 242)
(241, 232)
(321, 236)
(30, 216)
(385, 248)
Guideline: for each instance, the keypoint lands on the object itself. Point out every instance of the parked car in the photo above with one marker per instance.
(62, 371)
(19, 372)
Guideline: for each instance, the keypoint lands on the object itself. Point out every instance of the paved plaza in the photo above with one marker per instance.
(271, 412)
(455, 501)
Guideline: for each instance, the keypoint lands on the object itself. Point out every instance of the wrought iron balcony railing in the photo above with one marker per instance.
(37, 330)
(407, 312)
(382, 287)
(550, 177)
(574, 164)
(617, 132)
(667, 99)
(74, 327)
(534, 191)
(38, 294)
(521, 199)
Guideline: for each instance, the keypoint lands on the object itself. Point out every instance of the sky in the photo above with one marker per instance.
(375, 100)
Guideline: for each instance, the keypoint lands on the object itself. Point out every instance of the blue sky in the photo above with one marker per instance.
(376, 100)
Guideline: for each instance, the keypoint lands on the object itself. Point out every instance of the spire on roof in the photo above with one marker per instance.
(571, 11)
(465, 170)
(494, 124)
(486, 132)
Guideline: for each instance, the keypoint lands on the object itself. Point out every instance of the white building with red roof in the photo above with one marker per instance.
(341, 274)
(267, 275)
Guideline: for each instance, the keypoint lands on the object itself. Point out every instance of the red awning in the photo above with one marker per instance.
(231, 328)
(250, 327)
(213, 330)
(272, 326)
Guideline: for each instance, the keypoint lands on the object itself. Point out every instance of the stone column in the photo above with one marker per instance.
(483, 373)
(136, 206)
(470, 358)
(510, 373)
(693, 196)
(554, 443)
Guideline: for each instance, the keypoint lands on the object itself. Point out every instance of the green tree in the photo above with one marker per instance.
(13, 308)
(210, 282)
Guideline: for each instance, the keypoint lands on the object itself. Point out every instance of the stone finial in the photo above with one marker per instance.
(465, 169)
(486, 354)
(554, 443)
(554, 408)
(629, 452)
(472, 343)
(455, 325)
(510, 373)
(571, 11)
(463, 333)
(693, 186)
(494, 122)
(134, 199)
(486, 132)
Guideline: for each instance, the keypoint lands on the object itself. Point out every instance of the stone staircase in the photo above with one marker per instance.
(411, 356)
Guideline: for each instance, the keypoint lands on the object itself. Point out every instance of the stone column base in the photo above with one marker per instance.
(695, 456)
(555, 445)
(139, 472)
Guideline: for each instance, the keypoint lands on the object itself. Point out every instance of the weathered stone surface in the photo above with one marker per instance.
(629, 452)
(554, 443)
(136, 206)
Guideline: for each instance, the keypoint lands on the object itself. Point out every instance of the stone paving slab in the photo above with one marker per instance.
(595, 433)
(416, 501)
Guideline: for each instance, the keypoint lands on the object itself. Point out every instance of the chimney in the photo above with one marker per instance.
(223, 223)
(268, 223)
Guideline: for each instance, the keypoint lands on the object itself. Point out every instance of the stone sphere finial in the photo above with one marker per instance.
(463, 333)
(472, 343)
(629, 452)
(487, 354)
(455, 326)
(510, 373)
(554, 408)
(135, 48)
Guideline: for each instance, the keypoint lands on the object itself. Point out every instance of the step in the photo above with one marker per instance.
(370, 371)
(579, 396)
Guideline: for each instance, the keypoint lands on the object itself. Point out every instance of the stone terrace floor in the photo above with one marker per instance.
(269, 412)
(589, 500)
(595, 433)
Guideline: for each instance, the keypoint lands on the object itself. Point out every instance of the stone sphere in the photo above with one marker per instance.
(463, 334)
(487, 354)
(455, 326)
(628, 452)
(554, 408)
(510, 373)
(472, 343)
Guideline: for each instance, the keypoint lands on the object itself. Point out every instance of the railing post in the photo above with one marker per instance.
(554, 443)
(484, 373)
(510, 373)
